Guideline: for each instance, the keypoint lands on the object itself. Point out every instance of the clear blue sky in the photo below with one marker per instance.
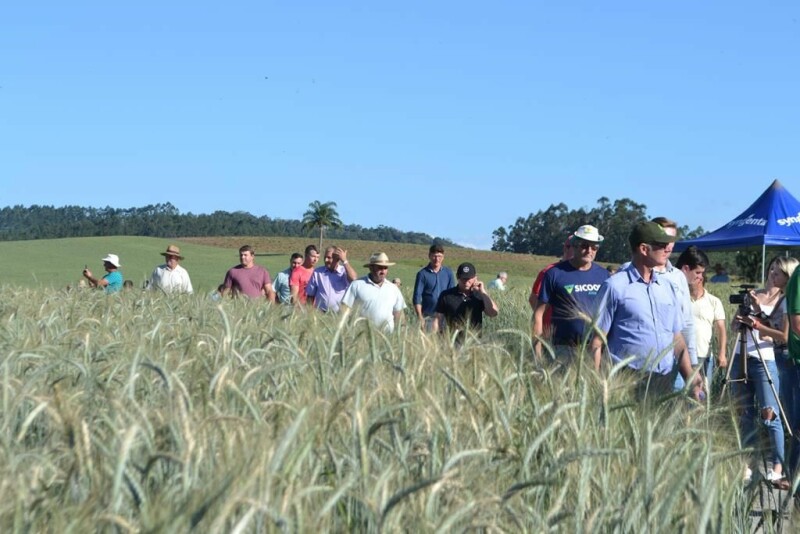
(452, 118)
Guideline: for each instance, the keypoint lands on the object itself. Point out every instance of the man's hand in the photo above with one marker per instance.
(698, 389)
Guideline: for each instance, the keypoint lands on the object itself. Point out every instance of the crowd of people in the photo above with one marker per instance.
(654, 319)
(442, 301)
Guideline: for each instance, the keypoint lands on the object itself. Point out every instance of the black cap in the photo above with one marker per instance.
(466, 270)
(649, 232)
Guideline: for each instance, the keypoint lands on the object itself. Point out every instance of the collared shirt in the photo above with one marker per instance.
(375, 302)
(328, 287)
(678, 280)
(281, 286)
(640, 319)
(497, 284)
(170, 280)
(429, 285)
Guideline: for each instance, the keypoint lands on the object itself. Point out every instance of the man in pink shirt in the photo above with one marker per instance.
(301, 275)
(247, 278)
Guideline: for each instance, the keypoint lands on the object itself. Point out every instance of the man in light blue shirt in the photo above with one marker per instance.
(641, 316)
(283, 293)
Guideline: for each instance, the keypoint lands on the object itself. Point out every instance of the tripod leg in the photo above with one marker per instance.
(782, 412)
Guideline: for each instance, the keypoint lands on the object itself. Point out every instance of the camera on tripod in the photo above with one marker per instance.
(742, 298)
(745, 302)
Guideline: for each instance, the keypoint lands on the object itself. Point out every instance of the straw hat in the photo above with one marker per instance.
(173, 250)
(380, 259)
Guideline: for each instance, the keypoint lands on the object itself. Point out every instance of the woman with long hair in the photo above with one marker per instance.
(762, 323)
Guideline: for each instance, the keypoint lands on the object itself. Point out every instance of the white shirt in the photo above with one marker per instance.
(706, 310)
(170, 280)
(375, 302)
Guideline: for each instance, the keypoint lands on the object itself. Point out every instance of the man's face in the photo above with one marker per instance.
(246, 258)
(108, 266)
(311, 258)
(658, 253)
(172, 262)
(437, 258)
(295, 263)
(694, 277)
(465, 284)
(378, 273)
(329, 259)
(584, 251)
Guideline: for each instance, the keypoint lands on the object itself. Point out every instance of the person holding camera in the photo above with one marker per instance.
(762, 327)
(111, 282)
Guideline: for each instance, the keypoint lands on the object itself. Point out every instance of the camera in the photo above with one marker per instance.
(742, 298)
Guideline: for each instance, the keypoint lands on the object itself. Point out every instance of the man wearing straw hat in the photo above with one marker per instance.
(375, 297)
(171, 277)
(112, 280)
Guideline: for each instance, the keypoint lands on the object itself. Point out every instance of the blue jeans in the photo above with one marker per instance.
(789, 374)
(752, 398)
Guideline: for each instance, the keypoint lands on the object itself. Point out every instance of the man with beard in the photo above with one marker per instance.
(375, 297)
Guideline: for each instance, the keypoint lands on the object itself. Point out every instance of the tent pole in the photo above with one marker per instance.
(763, 260)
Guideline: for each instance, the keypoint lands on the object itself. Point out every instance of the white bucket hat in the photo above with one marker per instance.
(587, 232)
(113, 259)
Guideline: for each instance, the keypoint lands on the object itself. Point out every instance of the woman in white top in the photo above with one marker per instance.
(763, 327)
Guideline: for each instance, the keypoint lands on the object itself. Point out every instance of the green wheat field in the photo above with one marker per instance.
(142, 413)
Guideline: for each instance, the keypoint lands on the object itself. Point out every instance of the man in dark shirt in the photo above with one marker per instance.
(570, 289)
(463, 306)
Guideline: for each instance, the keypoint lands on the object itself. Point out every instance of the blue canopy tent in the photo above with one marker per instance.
(772, 220)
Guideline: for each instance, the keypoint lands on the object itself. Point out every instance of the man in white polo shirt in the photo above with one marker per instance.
(374, 296)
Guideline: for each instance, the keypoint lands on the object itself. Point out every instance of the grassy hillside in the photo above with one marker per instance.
(59, 262)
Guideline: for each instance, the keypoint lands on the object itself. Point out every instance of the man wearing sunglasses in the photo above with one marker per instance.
(640, 315)
(569, 289)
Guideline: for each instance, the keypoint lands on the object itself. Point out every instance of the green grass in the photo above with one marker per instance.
(56, 263)
(137, 412)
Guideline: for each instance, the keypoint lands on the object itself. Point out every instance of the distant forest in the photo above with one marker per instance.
(165, 220)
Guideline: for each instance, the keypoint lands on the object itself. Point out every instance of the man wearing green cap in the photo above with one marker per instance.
(641, 317)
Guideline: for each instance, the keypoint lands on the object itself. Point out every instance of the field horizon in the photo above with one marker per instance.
(57, 263)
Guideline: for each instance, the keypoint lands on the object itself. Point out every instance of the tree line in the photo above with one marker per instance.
(545, 231)
(165, 220)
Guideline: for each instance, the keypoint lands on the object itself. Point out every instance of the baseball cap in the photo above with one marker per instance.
(466, 270)
(649, 232)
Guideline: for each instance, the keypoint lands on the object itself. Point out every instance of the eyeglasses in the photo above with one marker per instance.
(587, 244)
(658, 246)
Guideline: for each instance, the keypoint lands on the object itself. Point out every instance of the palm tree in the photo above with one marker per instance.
(322, 216)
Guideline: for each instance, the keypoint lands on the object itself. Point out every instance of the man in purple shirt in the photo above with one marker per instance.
(247, 278)
(328, 283)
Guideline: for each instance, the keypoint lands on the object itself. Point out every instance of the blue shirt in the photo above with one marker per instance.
(429, 285)
(572, 295)
(281, 286)
(640, 320)
(114, 280)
